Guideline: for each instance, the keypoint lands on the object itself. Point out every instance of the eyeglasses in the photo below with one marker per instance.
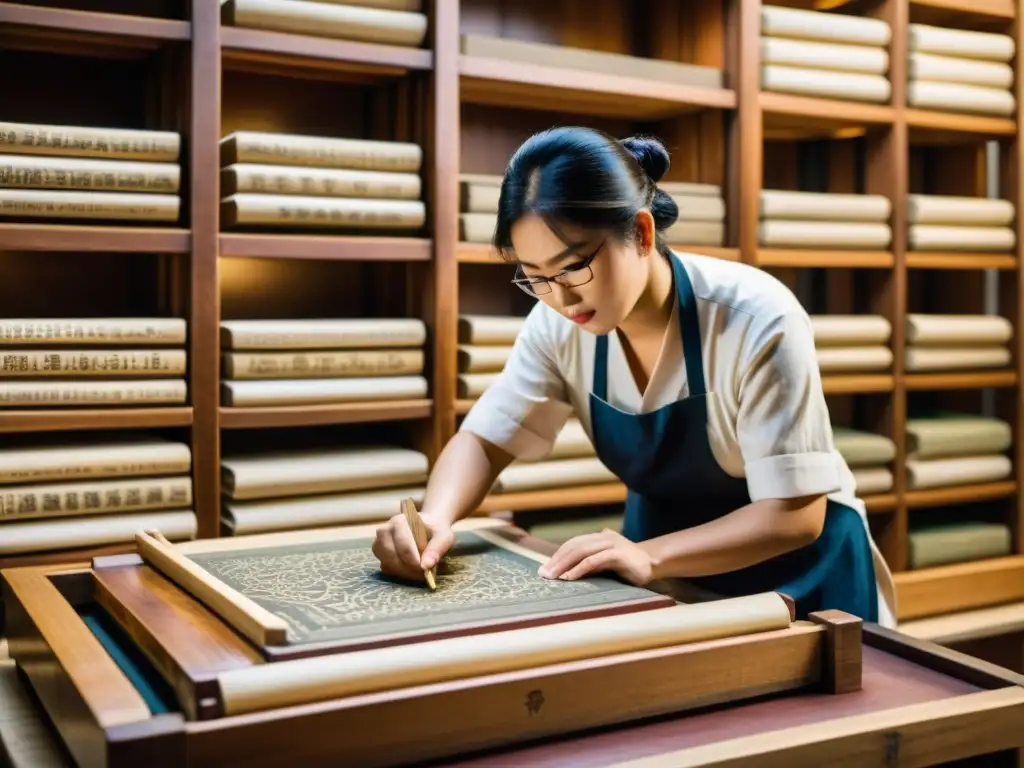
(577, 275)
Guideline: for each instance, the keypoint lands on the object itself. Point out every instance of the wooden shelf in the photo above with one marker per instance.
(53, 420)
(792, 116)
(857, 383)
(329, 247)
(62, 558)
(929, 260)
(778, 257)
(960, 587)
(880, 503)
(312, 415)
(930, 127)
(983, 14)
(503, 83)
(56, 237)
(33, 27)
(281, 53)
(920, 382)
(960, 494)
(584, 495)
(463, 406)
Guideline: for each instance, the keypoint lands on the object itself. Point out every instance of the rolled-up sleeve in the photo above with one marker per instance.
(784, 429)
(527, 405)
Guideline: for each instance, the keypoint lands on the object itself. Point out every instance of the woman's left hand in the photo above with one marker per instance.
(595, 552)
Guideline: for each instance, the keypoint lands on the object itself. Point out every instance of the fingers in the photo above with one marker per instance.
(572, 552)
(600, 561)
(439, 544)
(395, 548)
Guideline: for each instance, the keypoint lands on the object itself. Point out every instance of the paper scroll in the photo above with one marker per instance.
(957, 342)
(958, 223)
(791, 219)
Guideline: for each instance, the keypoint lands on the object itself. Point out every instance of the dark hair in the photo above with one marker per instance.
(584, 177)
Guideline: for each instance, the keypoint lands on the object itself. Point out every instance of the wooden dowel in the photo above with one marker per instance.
(420, 533)
(253, 621)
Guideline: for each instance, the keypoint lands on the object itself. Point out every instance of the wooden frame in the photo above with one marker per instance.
(721, 137)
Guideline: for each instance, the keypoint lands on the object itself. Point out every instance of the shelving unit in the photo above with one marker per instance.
(174, 65)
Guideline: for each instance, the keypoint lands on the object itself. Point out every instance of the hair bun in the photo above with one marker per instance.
(650, 153)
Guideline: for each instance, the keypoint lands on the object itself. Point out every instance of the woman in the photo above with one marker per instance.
(696, 379)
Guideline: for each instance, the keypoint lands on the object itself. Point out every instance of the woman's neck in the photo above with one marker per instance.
(651, 313)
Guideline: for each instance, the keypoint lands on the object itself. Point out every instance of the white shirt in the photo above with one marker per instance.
(767, 417)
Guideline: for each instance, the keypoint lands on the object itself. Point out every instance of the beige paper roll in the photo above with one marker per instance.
(850, 330)
(93, 497)
(957, 69)
(253, 393)
(572, 442)
(99, 331)
(365, 363)
(824, 234)
(849, 86)
(489, 329)
(952, 358)
(959, 97)
(871, 480)
(61, 204)
(948, 210)
(87, 141)
(318, 19)
(304, 211)
(92, 393)
(93, 530)
(699, 207)
(690, 188)
(321, 151)
(330, 470)
(863, 449)
(66, 461)
(472, 385)
(316, 333)
(861, 358)
(387, 5)
(98, 175)
(823, 207)
(933, 237)
(960, 470)
(957, 543)
(318, 182)
(483, 359)
(287, 683)
(558, 473)
(479, 198)
(956, 435)
(248, 517)
(987, 46)
(696, 233)
(804, 24)
(957, 330)
(87, 363)
(818, 55)
(477, 227)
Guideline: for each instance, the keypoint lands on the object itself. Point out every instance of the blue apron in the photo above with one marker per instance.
(674, 482)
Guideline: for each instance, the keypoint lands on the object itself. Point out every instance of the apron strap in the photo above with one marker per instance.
(689, 328)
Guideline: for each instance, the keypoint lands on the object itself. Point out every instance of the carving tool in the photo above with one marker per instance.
(420, 533)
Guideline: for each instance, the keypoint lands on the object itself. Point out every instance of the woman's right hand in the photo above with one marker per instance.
(395, 547)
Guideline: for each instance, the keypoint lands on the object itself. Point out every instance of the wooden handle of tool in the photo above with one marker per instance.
(420, 534)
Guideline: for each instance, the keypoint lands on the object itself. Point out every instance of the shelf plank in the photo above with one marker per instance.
(960, 587)
(927, 126)
(880, 503)
(53, 420)
(919, 382)
(328, 413)
(284, 52)
(584, 495)
(941, 260)
(63, 558)
(960, 494)
(502, 83)
(801, 258)
(56, 237)
(29, 21)
(990, 13)
(857, 383)
(337, 248)
(791, 116)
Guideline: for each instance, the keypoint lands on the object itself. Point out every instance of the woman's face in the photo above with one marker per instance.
(619, 270)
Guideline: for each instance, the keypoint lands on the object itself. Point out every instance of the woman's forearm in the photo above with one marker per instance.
(745, 537)
(462, 476)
